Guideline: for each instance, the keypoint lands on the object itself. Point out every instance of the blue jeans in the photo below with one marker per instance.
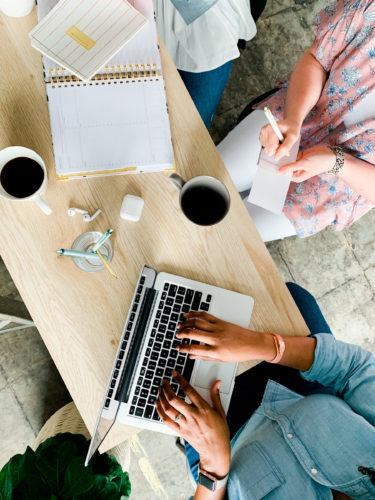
(206, 88)
(249, 387)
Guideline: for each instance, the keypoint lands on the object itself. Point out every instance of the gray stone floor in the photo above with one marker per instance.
(338, 268)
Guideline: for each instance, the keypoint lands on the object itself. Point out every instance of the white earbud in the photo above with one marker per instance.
(86, 215)
(73, 211)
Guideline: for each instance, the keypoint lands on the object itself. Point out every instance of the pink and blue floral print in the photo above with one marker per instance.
(345, 46)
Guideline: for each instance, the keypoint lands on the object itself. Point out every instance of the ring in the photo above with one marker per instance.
(177, 419)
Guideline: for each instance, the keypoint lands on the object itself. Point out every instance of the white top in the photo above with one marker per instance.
(209, 41)
(364, 110)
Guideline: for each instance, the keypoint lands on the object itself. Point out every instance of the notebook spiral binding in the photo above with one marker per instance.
(120, 73)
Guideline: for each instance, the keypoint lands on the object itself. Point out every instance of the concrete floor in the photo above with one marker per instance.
(338, 268)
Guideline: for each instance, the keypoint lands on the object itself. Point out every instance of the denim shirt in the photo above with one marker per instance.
(296, 447)
(190, 10)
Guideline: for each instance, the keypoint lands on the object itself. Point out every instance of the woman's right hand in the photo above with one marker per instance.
(221, 340)
(269, 140)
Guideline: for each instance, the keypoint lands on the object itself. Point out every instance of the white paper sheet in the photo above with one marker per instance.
(240, 150)
(269, 189)
(110, 127)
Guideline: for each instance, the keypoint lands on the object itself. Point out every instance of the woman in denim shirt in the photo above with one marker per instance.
(313, 435)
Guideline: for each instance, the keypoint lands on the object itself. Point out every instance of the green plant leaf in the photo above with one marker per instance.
(56, 472)
(123, 484)
(13, 472)
(115, 469)
(109, 492)
(32, 486)
(77, 479)
(53, 461)
(6, 486)
(55, 441)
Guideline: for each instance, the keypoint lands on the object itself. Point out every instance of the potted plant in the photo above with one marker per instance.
(56, 471)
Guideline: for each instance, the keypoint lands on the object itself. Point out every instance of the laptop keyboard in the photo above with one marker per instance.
(161, 356)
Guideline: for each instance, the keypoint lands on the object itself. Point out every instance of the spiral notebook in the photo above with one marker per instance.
(82, 35)
(117, 122)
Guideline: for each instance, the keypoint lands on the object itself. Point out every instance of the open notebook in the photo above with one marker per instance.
(117, 122)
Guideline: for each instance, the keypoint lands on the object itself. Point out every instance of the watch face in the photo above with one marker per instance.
(206, 482)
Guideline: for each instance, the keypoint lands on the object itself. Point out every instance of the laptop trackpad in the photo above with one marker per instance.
(209, 371)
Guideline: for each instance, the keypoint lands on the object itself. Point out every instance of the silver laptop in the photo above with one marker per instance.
(146, 354)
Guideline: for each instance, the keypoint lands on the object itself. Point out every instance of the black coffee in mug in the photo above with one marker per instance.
(203, 204)
(21, 177)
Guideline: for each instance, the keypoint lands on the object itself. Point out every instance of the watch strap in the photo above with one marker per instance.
(209, 481)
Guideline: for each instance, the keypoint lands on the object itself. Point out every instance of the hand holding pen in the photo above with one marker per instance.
(271, 140)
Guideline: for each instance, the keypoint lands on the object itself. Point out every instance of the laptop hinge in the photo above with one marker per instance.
(130, 366)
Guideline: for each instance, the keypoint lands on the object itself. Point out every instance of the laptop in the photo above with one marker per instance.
(146, 353)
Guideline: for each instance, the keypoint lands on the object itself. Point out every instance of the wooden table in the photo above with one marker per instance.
(80, 315)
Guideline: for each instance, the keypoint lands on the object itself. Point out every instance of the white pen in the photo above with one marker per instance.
(273, 123)
(75, 253)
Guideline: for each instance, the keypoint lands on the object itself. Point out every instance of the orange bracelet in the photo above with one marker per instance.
(280, 347)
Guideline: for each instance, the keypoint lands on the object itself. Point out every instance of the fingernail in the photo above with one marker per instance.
(178, 326)
(177, 347)
(174, 373)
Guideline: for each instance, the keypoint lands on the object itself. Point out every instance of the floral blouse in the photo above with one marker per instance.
(345, 46)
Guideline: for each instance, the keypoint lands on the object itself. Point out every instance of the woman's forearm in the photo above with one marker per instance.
(299, 351)
(359, 175)
(306, 85)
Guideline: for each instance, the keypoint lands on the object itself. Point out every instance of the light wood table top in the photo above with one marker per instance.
(80, 315)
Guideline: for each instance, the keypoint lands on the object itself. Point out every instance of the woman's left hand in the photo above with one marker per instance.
(203, 426)
(313, 161)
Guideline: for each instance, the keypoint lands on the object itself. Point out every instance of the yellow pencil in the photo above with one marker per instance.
(105, 262)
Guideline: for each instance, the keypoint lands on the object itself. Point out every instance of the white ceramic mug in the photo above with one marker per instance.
(204, 200)
(16, 8)
(13, 152)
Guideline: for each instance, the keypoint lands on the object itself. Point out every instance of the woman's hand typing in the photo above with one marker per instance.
(203, 426)
(222, 341)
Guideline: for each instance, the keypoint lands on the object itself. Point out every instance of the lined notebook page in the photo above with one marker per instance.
(141, 49)
(110, 127)
(82, 35)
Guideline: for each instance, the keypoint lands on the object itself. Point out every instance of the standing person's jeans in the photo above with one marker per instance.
(206, 89)
(249, 386)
